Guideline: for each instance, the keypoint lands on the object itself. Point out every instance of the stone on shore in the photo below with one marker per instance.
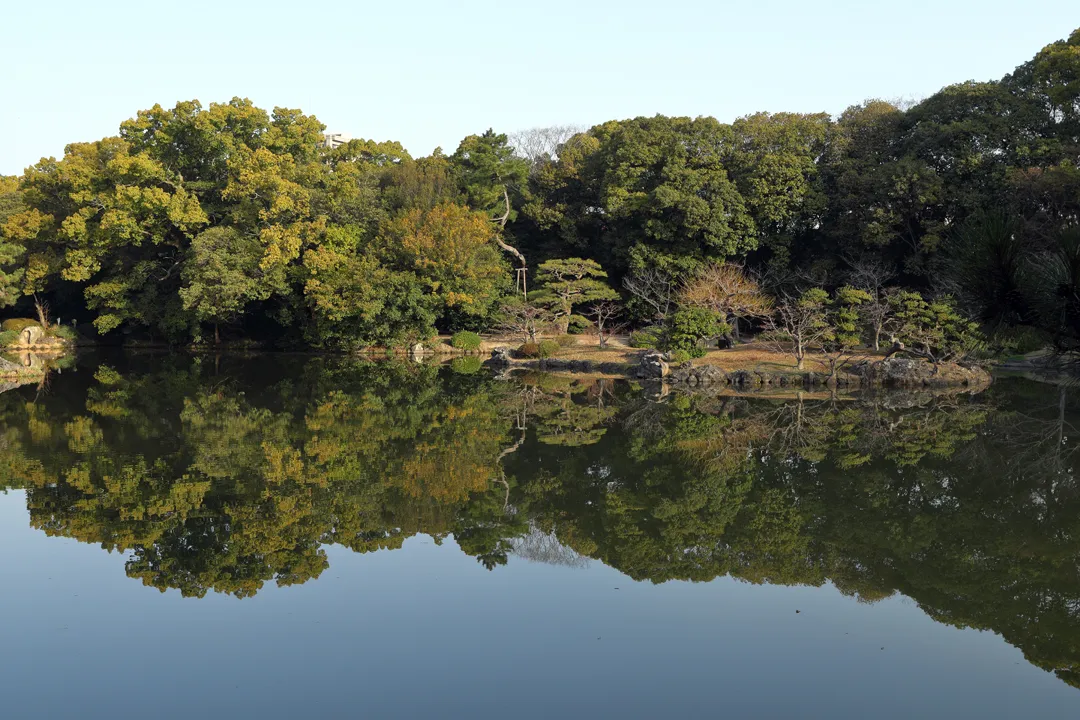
(652, 365)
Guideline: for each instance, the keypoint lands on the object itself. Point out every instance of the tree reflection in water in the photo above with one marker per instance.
(221, 477)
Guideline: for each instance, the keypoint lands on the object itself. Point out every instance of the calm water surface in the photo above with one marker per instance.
(293, 537)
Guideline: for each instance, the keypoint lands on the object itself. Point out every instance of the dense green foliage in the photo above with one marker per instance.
(688, 327)
(466, 340)
(231, 219)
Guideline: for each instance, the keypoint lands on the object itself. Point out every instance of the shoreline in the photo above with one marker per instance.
(746, 367)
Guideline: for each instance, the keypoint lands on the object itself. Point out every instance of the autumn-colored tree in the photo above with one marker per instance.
(452, 250)
(726, 289)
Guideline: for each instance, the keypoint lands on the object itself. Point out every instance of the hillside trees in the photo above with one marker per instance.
(232, 216)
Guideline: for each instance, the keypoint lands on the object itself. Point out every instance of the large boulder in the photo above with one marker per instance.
(652, 365)
(905, 372)
(31, 335)
(895, 372)
(711, 375)
(500, 356)
(915, 372)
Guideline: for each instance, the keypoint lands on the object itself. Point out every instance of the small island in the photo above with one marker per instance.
(29, 349)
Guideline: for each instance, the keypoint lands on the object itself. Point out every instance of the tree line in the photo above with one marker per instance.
(196, 221)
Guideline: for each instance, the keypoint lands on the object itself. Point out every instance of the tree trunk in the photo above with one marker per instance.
(877, 339)
(509, 248)
(217, 334)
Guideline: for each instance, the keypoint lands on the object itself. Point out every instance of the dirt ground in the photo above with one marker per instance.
(749, 356)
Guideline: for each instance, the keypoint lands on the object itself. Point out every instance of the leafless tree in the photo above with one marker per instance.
(656, 288)
(541, 143)
(605, 314)
(42, 309)
(539, 546)
(869, 273)
(523, 321)
(798, 324)
(873, 275)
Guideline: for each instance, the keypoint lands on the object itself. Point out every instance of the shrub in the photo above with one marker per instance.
(466, 365)
(691, 325)
(19, 324)
(548, 348)
(529, 350)
(577, 324)
(8, 338)
(566, 340)
(466, 340)
(63, 332)
(647, 338)
(680, 356)
(934, 330)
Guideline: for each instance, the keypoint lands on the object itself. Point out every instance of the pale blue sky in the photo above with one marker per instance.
(429, 73)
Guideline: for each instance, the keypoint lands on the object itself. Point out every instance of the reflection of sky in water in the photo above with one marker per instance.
(426, 630)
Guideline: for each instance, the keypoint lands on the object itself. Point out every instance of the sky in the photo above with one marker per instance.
(429, 73)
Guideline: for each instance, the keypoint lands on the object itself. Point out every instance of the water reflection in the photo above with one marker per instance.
(221, 477)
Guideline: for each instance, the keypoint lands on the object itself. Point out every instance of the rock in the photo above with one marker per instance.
(500, 356)
(32, 361)
(740, 378)
(652, 365)
(417, 349)
(31, 335)
(613, 368)
(711, 375)
(895, 372)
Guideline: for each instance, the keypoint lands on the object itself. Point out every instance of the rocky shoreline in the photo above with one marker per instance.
(891, 372)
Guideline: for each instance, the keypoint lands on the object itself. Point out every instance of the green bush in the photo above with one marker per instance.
(680, 356)
(19, 324)
(469, 365)
(578, 324)
(8, 338)
(63, 332)
(529, 350)
(690, 325)
(466, 340)
(548, 348)
(566, 340)
(646, 338)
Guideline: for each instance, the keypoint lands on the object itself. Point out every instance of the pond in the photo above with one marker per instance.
(291, 536)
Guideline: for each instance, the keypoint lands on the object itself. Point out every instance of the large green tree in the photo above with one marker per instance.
(565, 284)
